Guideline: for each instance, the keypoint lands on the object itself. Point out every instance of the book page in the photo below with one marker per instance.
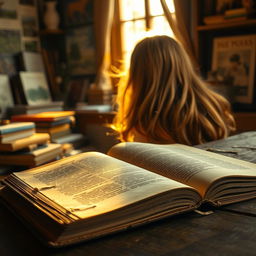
(93, 183)
(188, 165)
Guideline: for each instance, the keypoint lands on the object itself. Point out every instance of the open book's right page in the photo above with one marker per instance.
(219, 179)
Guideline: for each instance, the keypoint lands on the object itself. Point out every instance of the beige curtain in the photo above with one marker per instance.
(180, 23)
(103, 17)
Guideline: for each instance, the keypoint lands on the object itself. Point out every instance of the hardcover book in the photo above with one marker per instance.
(92, 194)
(36, 138)
(43, 116)
(40, 155)
(15, 127)
(9, 137)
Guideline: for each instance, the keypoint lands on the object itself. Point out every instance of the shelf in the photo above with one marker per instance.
(227, 24)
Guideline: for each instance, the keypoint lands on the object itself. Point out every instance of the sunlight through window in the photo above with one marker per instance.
(140, 19)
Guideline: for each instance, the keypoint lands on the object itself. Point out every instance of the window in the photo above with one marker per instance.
(138, 19)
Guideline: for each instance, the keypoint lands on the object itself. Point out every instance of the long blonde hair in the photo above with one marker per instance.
(164, 99)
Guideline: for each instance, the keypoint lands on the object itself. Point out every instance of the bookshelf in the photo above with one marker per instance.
(204, 35)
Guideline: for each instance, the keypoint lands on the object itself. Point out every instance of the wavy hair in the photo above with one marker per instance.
(163, 99)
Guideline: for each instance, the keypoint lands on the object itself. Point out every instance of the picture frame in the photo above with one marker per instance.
(80, 49)
(6, 97)
(30, 61)
(233, 64)
(35, 88)
(8, 64)
(78, 12)
(8, 9)
(29, 20)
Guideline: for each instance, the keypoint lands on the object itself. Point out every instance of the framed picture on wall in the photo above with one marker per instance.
(78, 12)
(233, 63)
(35, 88)
(6, 97)
(80, 48)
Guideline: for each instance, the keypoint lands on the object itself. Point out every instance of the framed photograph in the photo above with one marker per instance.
(80, 49)
(233, 63)
(30, 61)
(78, 12)
(9, 9)
(35, 88)
(7, 64)
(6, 97)
(10, 41)
(29, 21)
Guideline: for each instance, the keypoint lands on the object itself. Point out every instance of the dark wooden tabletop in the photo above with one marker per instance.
(229, 230)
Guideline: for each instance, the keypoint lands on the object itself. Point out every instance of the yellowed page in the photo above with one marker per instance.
(92, 183)
(194, 167)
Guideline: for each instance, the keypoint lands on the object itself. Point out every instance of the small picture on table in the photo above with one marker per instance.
(35, 88)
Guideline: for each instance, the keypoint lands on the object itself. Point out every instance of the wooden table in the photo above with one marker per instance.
(230, 230)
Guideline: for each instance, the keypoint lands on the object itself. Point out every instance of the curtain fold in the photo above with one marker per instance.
(180, 24)
(103, 19)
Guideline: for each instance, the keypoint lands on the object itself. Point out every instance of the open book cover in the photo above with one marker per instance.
(92, 194)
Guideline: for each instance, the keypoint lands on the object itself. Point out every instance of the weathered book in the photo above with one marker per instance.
(32, 109)
(36, 138)
(92, 194)
(55, 129)
(9, 137)
(15, 127)
(66, 120)
(42, 154)
(43, 116)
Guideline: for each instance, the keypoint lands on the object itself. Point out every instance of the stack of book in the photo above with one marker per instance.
(21, 145)
(19, 109)
(58, 125)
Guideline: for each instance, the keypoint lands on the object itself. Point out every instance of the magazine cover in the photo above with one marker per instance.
(233, 63)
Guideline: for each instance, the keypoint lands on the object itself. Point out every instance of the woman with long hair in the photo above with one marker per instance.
(164, 100)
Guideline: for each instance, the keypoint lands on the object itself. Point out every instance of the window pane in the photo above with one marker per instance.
(132, 33)
(160, 26)
(132, 9)
(156, 7)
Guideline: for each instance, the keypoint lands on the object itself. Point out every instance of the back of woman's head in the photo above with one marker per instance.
(165, 100)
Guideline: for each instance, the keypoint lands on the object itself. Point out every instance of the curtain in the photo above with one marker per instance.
(103, 17)
(180, 24)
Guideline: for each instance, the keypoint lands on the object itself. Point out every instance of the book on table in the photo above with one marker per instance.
(14, 145)
(93, 194)
(43, 116)
(16, 127)
(39, 155)
(12, 136)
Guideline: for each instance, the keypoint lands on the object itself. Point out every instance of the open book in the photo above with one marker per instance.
(92, 194)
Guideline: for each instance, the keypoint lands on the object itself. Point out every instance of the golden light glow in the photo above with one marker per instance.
(133, 22)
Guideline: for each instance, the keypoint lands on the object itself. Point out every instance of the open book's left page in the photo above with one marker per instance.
(92, 183)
